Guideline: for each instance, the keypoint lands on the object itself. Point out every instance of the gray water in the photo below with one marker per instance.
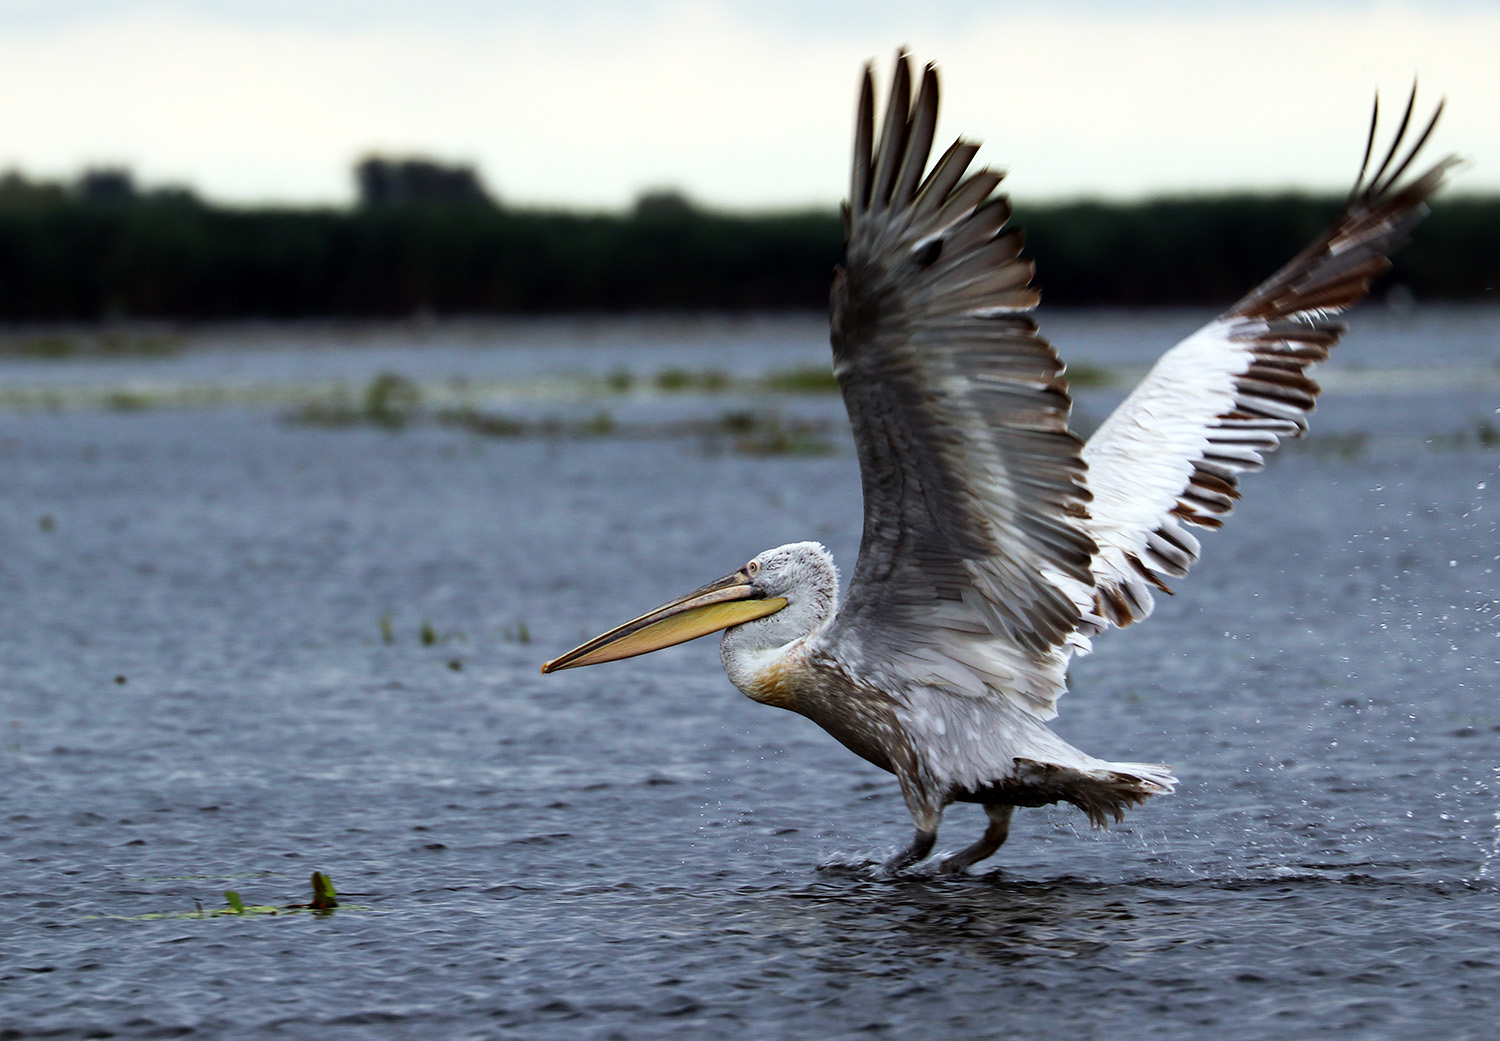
(216, 678)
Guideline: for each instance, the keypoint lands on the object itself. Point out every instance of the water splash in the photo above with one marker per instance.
(1494, 847)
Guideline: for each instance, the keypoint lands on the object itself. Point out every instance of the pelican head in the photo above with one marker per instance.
(779, 596)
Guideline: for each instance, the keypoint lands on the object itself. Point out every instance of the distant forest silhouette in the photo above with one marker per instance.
(429, 238)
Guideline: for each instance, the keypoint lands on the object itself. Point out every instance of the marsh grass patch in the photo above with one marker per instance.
(1483, 434)
(685, 381)
(1084, 376)
(769, 433)
(811, 379)
(87, 344)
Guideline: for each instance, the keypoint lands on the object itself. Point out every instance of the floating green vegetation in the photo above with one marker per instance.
(485, 424)
(394, 402)
(518, 633)
(482, 423)
(50, 348)
(389, 400)
(428, 635)
(1483, 434)
(758, 433)
(813, 379)
(601, 425)
(41, 399)
(619, 382)
(323, 901)
(1351, 445)
(739, 423)
(132, 397)
(674, 381)
(336, 410)
(680, 381)
(1089, 377)
(324, 898)
(109, 343)
(1347, 445)
(127, 401)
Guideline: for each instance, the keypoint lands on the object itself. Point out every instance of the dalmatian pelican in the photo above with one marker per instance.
(996, 542)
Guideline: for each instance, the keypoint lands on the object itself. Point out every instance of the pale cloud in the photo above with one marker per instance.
(586, 103)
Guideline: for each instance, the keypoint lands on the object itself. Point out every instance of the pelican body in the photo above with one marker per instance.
(996, 543)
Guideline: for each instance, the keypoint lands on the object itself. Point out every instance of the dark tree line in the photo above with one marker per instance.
(383, 181)
(70, 255)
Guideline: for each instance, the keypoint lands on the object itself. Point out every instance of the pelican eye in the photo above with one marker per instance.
(752, 569)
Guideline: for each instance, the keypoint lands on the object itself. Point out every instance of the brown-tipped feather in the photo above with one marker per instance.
(1284, 325)
(1357, 245)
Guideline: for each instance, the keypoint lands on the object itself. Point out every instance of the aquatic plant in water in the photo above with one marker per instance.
(324, 900)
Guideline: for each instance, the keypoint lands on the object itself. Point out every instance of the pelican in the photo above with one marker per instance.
(996, 542)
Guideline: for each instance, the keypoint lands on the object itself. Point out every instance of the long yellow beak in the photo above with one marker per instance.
(731, 600)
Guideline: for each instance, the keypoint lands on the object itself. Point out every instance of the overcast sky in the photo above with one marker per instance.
(585, 103)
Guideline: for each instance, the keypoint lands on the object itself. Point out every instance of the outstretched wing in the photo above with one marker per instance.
(974, 567)
(1169, 456)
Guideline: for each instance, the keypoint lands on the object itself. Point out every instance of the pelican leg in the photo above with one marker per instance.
(920, 846)
(994, 837)
(927, 813)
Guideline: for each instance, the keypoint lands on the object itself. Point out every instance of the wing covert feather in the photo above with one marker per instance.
(974, 570)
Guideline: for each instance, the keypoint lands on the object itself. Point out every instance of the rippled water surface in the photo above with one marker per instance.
(239, 647)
